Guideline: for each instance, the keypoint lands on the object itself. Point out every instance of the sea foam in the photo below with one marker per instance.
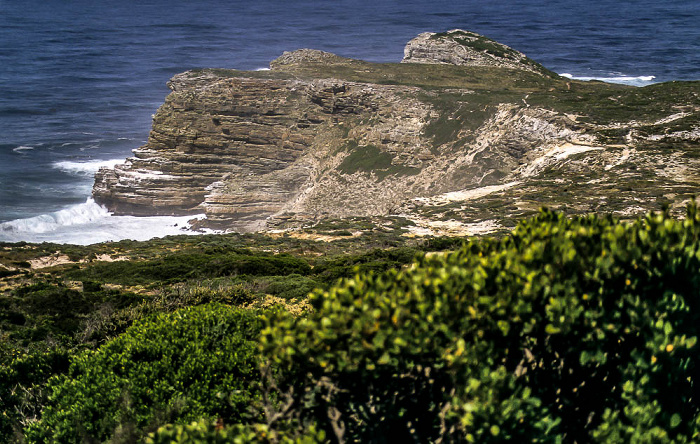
(85, 168)
(625, 80)
(90, 223)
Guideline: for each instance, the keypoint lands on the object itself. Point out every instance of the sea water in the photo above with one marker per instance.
(80, 80)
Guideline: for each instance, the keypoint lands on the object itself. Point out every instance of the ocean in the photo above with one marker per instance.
(80, 80)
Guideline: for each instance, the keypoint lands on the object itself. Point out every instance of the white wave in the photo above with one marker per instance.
(262, 69)
(85, 168)
(75, 215)
(625, 80)
(90, 223)
(21, 148)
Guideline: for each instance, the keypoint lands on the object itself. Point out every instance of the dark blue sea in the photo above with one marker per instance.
(79, 79)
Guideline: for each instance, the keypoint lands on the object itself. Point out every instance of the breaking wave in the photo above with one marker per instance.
(90, 223)
(85, 168)
(625, 80)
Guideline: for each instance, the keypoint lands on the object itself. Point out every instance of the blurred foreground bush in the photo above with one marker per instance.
(568, 330)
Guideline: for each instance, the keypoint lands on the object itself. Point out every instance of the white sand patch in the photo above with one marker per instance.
(637, 124)
(626, 153)
(694, 134)
(451, 228)
(50, 261)
(633, 211)
(558, 153)
(310, 236)
(61, 259)
(108, 258)
(464, 195)
(671, 118)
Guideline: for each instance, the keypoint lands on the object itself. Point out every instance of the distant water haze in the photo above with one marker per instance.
(80, 80)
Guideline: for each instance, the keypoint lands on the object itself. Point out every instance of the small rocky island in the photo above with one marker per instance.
(464, 136)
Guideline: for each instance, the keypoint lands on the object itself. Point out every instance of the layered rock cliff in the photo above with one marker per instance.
(321, 136)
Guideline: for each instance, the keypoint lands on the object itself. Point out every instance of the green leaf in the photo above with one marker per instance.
(551, 330)
(584, 357)
(668, 328)
(628, 386)
(675, 420)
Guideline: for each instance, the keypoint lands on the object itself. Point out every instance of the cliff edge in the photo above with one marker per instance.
(466, 132)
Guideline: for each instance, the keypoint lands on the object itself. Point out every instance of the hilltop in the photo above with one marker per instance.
(465, 136)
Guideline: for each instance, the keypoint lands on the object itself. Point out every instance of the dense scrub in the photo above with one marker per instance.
(566, 330)
(195, 362)
(181, 267)
(50, 316)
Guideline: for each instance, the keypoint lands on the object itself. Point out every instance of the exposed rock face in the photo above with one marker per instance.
(209, 128)
(322, 136)
(306, 57)
(242, 149)
(466, 48)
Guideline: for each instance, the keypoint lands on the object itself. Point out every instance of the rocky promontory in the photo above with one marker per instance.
(465, 133)
(465, 48)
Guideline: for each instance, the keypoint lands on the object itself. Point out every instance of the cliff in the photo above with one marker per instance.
(466, 134)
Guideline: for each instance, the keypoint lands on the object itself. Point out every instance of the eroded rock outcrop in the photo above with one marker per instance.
(322, 136)
(466, 48)
(208, 128)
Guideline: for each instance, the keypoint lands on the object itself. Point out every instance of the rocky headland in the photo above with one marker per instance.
(465, 136)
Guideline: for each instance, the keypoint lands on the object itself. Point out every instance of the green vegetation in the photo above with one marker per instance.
(49, 316)
(196, 362)
(370, 159)
(567, 329)
(181, 267)
(594, 102)
(580, 329)
(488, 46)
(209, 432)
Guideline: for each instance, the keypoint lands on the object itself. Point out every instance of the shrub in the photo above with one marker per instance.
(330, 270)
(568, 330)
(57, 315)
(109, 322)
(211, 433)
(22, 378)
(292, 287)
(177, 367)
(183, 266)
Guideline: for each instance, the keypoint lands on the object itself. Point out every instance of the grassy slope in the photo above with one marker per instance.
(596, 102)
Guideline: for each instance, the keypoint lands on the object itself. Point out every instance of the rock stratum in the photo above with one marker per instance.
(465, 136)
